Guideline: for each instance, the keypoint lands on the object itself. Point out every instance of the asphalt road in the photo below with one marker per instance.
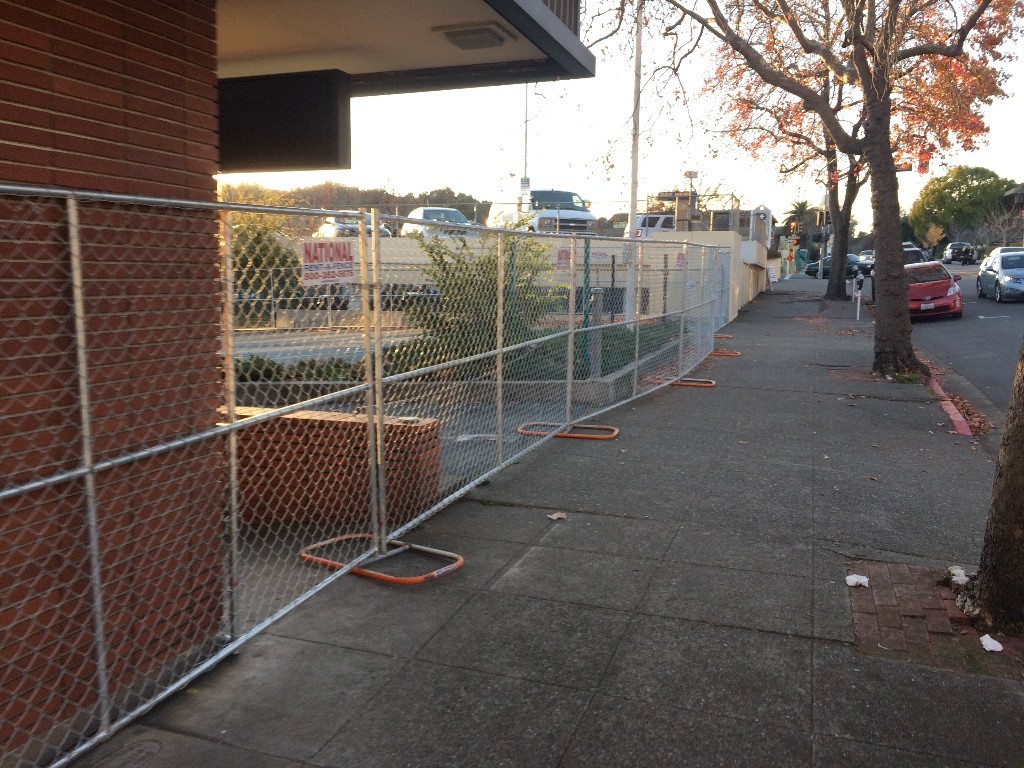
(293, 345)
(983, 347)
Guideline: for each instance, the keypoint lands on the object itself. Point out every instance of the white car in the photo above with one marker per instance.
(346, 224)
(448, 220)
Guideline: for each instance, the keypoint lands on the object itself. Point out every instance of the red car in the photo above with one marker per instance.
(932, 291)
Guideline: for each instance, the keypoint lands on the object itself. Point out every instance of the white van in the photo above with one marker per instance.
(551, 210)
(647, 224)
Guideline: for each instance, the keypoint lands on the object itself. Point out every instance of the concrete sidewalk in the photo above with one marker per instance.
(690, 610)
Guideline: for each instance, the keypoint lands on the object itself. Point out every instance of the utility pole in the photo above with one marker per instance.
(524, 182)
(629, 300)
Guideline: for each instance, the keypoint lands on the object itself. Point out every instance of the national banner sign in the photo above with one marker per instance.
(327, 261)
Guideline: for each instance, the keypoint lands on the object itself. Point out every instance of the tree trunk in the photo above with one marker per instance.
(894, 352)
(837, 277)
(999, 592)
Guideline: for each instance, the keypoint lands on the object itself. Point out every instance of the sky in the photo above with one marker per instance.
(576, 135)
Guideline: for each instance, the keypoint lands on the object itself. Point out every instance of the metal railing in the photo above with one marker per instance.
(193, 394)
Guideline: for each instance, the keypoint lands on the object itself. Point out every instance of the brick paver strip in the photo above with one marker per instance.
(889, 616)
(906, 614)
(915, 628)
(900, 574)
(884, 596)
(938, 622)
(862, 601)
(892, 638)
(865, 626)
(932, 602)
(909, 597)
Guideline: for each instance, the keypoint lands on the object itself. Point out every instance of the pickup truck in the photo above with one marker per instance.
(962, 252)
(551, 210)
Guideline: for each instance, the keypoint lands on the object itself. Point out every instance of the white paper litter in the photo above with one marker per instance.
(991, 645)
(856, 580)
(957, 575)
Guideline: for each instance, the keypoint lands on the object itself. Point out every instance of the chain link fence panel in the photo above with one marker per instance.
(212, 412)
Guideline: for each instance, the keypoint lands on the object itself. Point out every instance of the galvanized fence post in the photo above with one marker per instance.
(378, 378)
(585, 324)
(571, 347)
(499, 340)
(369, 298)
(682, 306)
(91, 510)
(638, 258)
(231, 513)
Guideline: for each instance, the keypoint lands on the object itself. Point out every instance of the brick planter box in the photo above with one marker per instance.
(312, 467)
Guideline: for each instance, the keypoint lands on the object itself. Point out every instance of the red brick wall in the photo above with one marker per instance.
(110, 96)
(116, 97)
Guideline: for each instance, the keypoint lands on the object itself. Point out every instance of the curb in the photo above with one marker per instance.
(962, 427)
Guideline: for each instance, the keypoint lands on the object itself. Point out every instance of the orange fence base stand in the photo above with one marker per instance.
(693, 383)
(306, 553)
(725, 353)
(597, 431)
(722, 336)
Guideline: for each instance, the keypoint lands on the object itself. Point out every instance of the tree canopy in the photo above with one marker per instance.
(336, 197)
(957, 204)
(882, 54)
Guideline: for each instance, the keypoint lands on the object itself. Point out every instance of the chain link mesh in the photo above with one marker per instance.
(194, 395)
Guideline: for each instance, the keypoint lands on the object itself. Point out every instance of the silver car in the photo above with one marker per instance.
(1001, 274)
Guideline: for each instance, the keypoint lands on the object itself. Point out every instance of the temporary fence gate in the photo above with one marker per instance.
(178, 428)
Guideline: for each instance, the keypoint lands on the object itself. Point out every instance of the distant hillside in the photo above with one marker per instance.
(340, 197)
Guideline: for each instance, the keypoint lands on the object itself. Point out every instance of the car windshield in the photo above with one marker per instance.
(927, 273)
(566, 201)
(1013, 260)
(438, 214)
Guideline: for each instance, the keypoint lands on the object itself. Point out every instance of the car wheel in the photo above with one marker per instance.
(981, 293)
(999, 294)
(958, 315)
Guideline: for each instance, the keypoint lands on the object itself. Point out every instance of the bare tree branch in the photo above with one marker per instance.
(720, 27)
(959, 38)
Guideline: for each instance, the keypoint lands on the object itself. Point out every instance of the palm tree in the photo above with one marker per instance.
(803, 214)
